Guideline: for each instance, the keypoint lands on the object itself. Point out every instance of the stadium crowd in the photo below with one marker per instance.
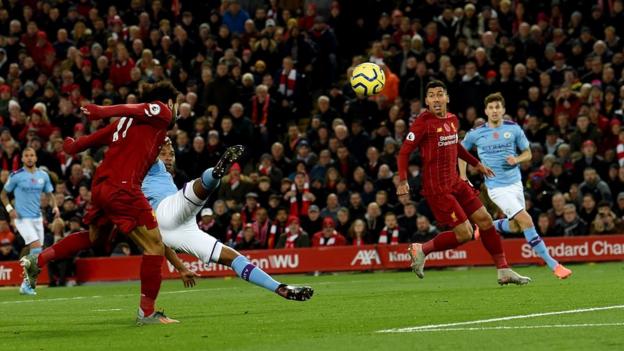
(272, 75)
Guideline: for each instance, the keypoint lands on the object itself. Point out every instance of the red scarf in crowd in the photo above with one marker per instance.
(296, 209)
(358, 242)
(291, 238)
(261, 230)
(383, 236)
(232, 236)
(276, 230)
(12, 163)
(288, 82)
(265, 111)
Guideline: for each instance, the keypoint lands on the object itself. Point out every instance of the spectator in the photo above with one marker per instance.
(606, 222)
(248, 212)
(207, 220)
(424, 230)
(571, 224)
(328, 236)
(391, 233)
(343, 220)
(235, 186)
(7, 251)
(313, 222)
(248, 241)
(592, 184)
(293, 236)
(358, 234)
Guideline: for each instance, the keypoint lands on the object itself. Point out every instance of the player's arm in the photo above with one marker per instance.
(410, 143)
(96, 139)
(153, 112)
(523, 144)
(8, 188)
(186, 275)
(49, 190)
(524, 156)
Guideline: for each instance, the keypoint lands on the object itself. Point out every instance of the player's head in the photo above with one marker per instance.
(163, 91)
(436, 97)
(494, 107)
(29, 157)
(167, 155)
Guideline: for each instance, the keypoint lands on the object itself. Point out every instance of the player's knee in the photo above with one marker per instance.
(523, 220)
(464, 232)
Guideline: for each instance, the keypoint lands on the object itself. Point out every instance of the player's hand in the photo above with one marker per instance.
(403, 190)
(512, 160)
(188, 278)
(56, 211)
(486, 171)
(89, 109)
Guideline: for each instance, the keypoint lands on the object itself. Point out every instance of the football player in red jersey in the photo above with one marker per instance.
(453, 201)
(134, 142)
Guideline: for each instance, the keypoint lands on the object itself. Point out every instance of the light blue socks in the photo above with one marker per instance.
(247, 271)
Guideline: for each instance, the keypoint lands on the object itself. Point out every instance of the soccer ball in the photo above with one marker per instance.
(368, 79)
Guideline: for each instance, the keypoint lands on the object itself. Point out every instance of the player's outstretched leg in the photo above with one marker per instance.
(253, 274)
(523, 222)
(66, 248)
(492, 242)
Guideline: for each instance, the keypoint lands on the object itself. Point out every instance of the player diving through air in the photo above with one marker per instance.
(453, 201)
(497, 142)
(176, 211)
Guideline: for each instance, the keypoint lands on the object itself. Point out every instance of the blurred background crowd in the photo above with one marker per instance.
(272, 75)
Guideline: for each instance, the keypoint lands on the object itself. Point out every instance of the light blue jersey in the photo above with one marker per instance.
(494, 145)
(158, 184)
(28, 188)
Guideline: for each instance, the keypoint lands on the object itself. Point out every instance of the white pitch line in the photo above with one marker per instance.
(107, 310)
(100, 296)
(500, 319)
(585, 325)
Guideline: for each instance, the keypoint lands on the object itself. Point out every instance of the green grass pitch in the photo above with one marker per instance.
(346, 313)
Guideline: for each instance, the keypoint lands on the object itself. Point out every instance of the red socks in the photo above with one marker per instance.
(493, 244)
(442, 241)
(66, 248)
(151, 276)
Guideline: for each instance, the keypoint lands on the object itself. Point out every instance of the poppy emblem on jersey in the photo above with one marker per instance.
(495, 135)
(446, 127)
(410, 136)
(507, 135)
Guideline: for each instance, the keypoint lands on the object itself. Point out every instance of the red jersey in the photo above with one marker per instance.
(335, 239)
(439, 147)
(133, 141)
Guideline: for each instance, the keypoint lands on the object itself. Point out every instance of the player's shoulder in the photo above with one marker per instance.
(424, 116)
(509, 122)
(155, 108)
(17, 172)
(478, 129)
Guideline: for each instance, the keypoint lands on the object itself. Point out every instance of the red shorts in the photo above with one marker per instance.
(453, 208)
(127, 208)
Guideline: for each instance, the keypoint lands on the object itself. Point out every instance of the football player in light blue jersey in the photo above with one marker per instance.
(497, 143)
(27, 184)
(176, 211)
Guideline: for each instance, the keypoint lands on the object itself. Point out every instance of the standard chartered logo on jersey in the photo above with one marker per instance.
(445, 140)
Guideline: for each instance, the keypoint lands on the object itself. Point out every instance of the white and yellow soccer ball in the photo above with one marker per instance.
(367, 79)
